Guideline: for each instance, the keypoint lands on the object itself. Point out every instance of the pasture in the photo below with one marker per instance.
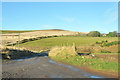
(79, 42)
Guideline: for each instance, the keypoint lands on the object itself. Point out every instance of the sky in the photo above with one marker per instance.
(72, 16)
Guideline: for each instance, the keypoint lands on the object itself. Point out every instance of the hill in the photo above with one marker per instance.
(18, 31)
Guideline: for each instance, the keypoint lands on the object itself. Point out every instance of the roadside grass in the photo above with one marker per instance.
(48, 43)
(88, 60)
(98, 61)
(95, 63)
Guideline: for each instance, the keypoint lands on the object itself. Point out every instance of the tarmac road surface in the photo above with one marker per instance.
(41, 67)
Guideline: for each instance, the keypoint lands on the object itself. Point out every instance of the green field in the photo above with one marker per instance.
(47, 43)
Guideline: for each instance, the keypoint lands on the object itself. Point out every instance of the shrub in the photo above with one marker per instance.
(31, 39)
(94, 34)
(98, 42)
(55, 36)
(49, 36)
(39, 37)
(103, 51)
(112, 34)
(24, 40)
(118, 51)
(111, 43)
(101, 42)
(106, 41)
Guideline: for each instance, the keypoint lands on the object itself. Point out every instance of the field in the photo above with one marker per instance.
(80, 42)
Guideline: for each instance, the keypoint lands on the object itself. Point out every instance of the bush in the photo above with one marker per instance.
(106, 41)
(55, 36)
(94, 34)
(49, 36)
(111, 43)
(24, 40)
(101, 42)
(31, 39)
(98, 42)
(103, 51)
(118, 51)
(39, 37)
(112, 34)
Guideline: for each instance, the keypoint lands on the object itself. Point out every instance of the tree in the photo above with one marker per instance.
(94, 34)
(115, 32)
(112, 34)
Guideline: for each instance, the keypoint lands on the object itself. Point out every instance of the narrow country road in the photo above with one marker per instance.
(41, 67)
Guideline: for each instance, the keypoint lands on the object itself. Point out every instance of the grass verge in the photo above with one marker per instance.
(96, 62)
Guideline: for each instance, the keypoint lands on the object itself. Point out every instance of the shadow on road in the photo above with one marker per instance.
(13, 54)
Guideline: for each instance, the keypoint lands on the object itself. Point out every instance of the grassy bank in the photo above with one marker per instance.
(98, 61)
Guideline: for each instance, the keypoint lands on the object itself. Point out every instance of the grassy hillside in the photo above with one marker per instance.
(65, 41)
(52, 30)
(15, 31)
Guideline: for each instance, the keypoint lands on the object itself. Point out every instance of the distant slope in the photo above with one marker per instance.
(9, 31)
(53, 30)
(15, 31)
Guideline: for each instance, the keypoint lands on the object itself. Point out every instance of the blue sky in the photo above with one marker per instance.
(73, 16)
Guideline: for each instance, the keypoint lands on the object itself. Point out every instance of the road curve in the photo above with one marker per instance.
(41, 67)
